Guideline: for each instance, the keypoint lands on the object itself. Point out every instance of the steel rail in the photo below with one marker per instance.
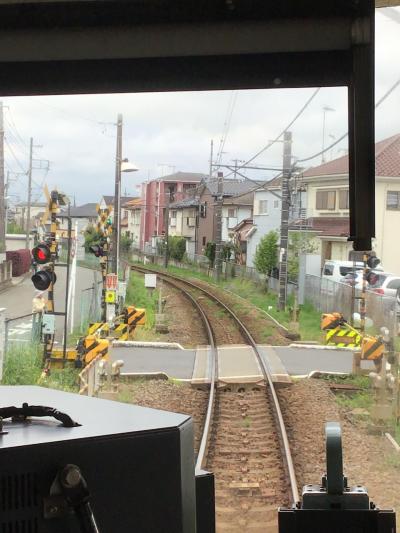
(287, 456)
(205, 438)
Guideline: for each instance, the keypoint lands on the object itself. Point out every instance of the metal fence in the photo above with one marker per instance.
(328, 296)
(24, 329)
(90, 305)
(200, 263)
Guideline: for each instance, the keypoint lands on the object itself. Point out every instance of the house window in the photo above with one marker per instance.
(204, 241)
(232, 212)
(173, 214)
(262, 207)
(344, 199)
(326, 200)
(393, 200)
(276, 204)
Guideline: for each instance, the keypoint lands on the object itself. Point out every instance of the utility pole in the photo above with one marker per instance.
(28, 209)
(117, 198)
(287, 162)
(211, 158)
(3, 222)
(218, 227)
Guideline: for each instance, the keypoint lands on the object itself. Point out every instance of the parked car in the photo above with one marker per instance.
(337, 270)
(386, 284)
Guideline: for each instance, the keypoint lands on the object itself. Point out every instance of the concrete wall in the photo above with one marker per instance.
(17, 241)
(5, 274)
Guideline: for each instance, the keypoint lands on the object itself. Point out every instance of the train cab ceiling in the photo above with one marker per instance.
(101, 46)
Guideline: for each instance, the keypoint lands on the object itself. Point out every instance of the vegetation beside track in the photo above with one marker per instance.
(23, 366)
(256, 294)
(138, 295)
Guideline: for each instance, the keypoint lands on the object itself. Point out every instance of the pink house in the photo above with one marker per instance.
(155, 197)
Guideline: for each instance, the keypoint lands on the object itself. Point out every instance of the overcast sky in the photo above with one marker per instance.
(77, 133)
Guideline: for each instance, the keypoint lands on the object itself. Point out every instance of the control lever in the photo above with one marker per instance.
(333, 506)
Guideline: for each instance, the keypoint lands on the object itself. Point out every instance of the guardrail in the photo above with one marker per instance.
(89, 377)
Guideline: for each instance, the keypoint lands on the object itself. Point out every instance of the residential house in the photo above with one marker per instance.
(108, 201)
(240, 238)
(327, 206)
(266, 215)
(183, 220)
(131, 229)
(155, 195)
(234, 210)
(236, 202)
(21, 212)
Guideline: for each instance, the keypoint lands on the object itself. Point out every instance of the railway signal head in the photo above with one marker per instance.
(373, 261)
(42, 279)
(97, 250)
(41, 254)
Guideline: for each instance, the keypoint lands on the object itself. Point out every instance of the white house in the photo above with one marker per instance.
(327, 213)
(266, 215)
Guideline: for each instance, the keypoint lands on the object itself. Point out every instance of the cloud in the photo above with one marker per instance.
(78, 133)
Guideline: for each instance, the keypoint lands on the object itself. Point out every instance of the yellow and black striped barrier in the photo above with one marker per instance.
(133, 317)
(372, 348)
(343, 337)
(120, 331)
(91, 346)
(331, 321)
(98, 328)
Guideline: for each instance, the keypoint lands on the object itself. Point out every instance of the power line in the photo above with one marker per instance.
(227, 124)
(14, 156)
(378, 103)
(298, 114)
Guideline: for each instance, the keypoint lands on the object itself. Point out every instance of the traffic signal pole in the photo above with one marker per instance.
(117, 197)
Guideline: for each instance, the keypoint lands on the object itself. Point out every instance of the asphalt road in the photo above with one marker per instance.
(175, 363)
(18, 302)
(179, 363)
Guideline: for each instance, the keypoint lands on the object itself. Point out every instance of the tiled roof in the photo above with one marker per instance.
(195, 177)
(241, 199)
(387, 161)
(109, 200)
(81, 211)
(231, 187)
(324, 226)
(133, 204)
(188, 202)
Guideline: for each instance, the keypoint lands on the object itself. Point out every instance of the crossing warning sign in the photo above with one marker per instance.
(111, 282)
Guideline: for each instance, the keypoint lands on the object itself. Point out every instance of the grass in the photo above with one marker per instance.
(362, 399)
(23, 365)
(139, 296)
(267, 301)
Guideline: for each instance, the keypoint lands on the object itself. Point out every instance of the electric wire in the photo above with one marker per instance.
(378, 103)
(227, 124)
(295, 118)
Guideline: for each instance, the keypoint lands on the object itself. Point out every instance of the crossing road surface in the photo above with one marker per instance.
(181, 364)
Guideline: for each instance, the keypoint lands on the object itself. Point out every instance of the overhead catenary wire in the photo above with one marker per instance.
(289, 125)
(227, 124)
(378, 103)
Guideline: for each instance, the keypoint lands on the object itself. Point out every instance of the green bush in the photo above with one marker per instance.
(92, 237)
(266, 257)
(125, 243)
(176, 247)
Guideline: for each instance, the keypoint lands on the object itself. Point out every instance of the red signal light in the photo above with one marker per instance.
(41, 254)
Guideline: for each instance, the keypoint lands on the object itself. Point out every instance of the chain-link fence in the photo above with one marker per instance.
(90, 305)
(329, 296)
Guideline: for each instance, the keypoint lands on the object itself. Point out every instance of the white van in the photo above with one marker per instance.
(336, 270)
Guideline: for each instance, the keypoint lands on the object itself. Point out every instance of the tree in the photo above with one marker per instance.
(176, 247)
(125, 243)
(209, 252)
(92, 237)
(266, 257)
(300, 242)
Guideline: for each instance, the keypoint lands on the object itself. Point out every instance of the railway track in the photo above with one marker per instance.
(244, 440)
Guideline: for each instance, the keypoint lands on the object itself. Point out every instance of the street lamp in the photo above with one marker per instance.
(325, 109)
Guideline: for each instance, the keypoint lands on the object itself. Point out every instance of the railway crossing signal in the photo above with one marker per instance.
(42, 279)
(97, 250)
(41, 254)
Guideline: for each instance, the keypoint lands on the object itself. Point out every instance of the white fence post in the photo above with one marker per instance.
(2, 339)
